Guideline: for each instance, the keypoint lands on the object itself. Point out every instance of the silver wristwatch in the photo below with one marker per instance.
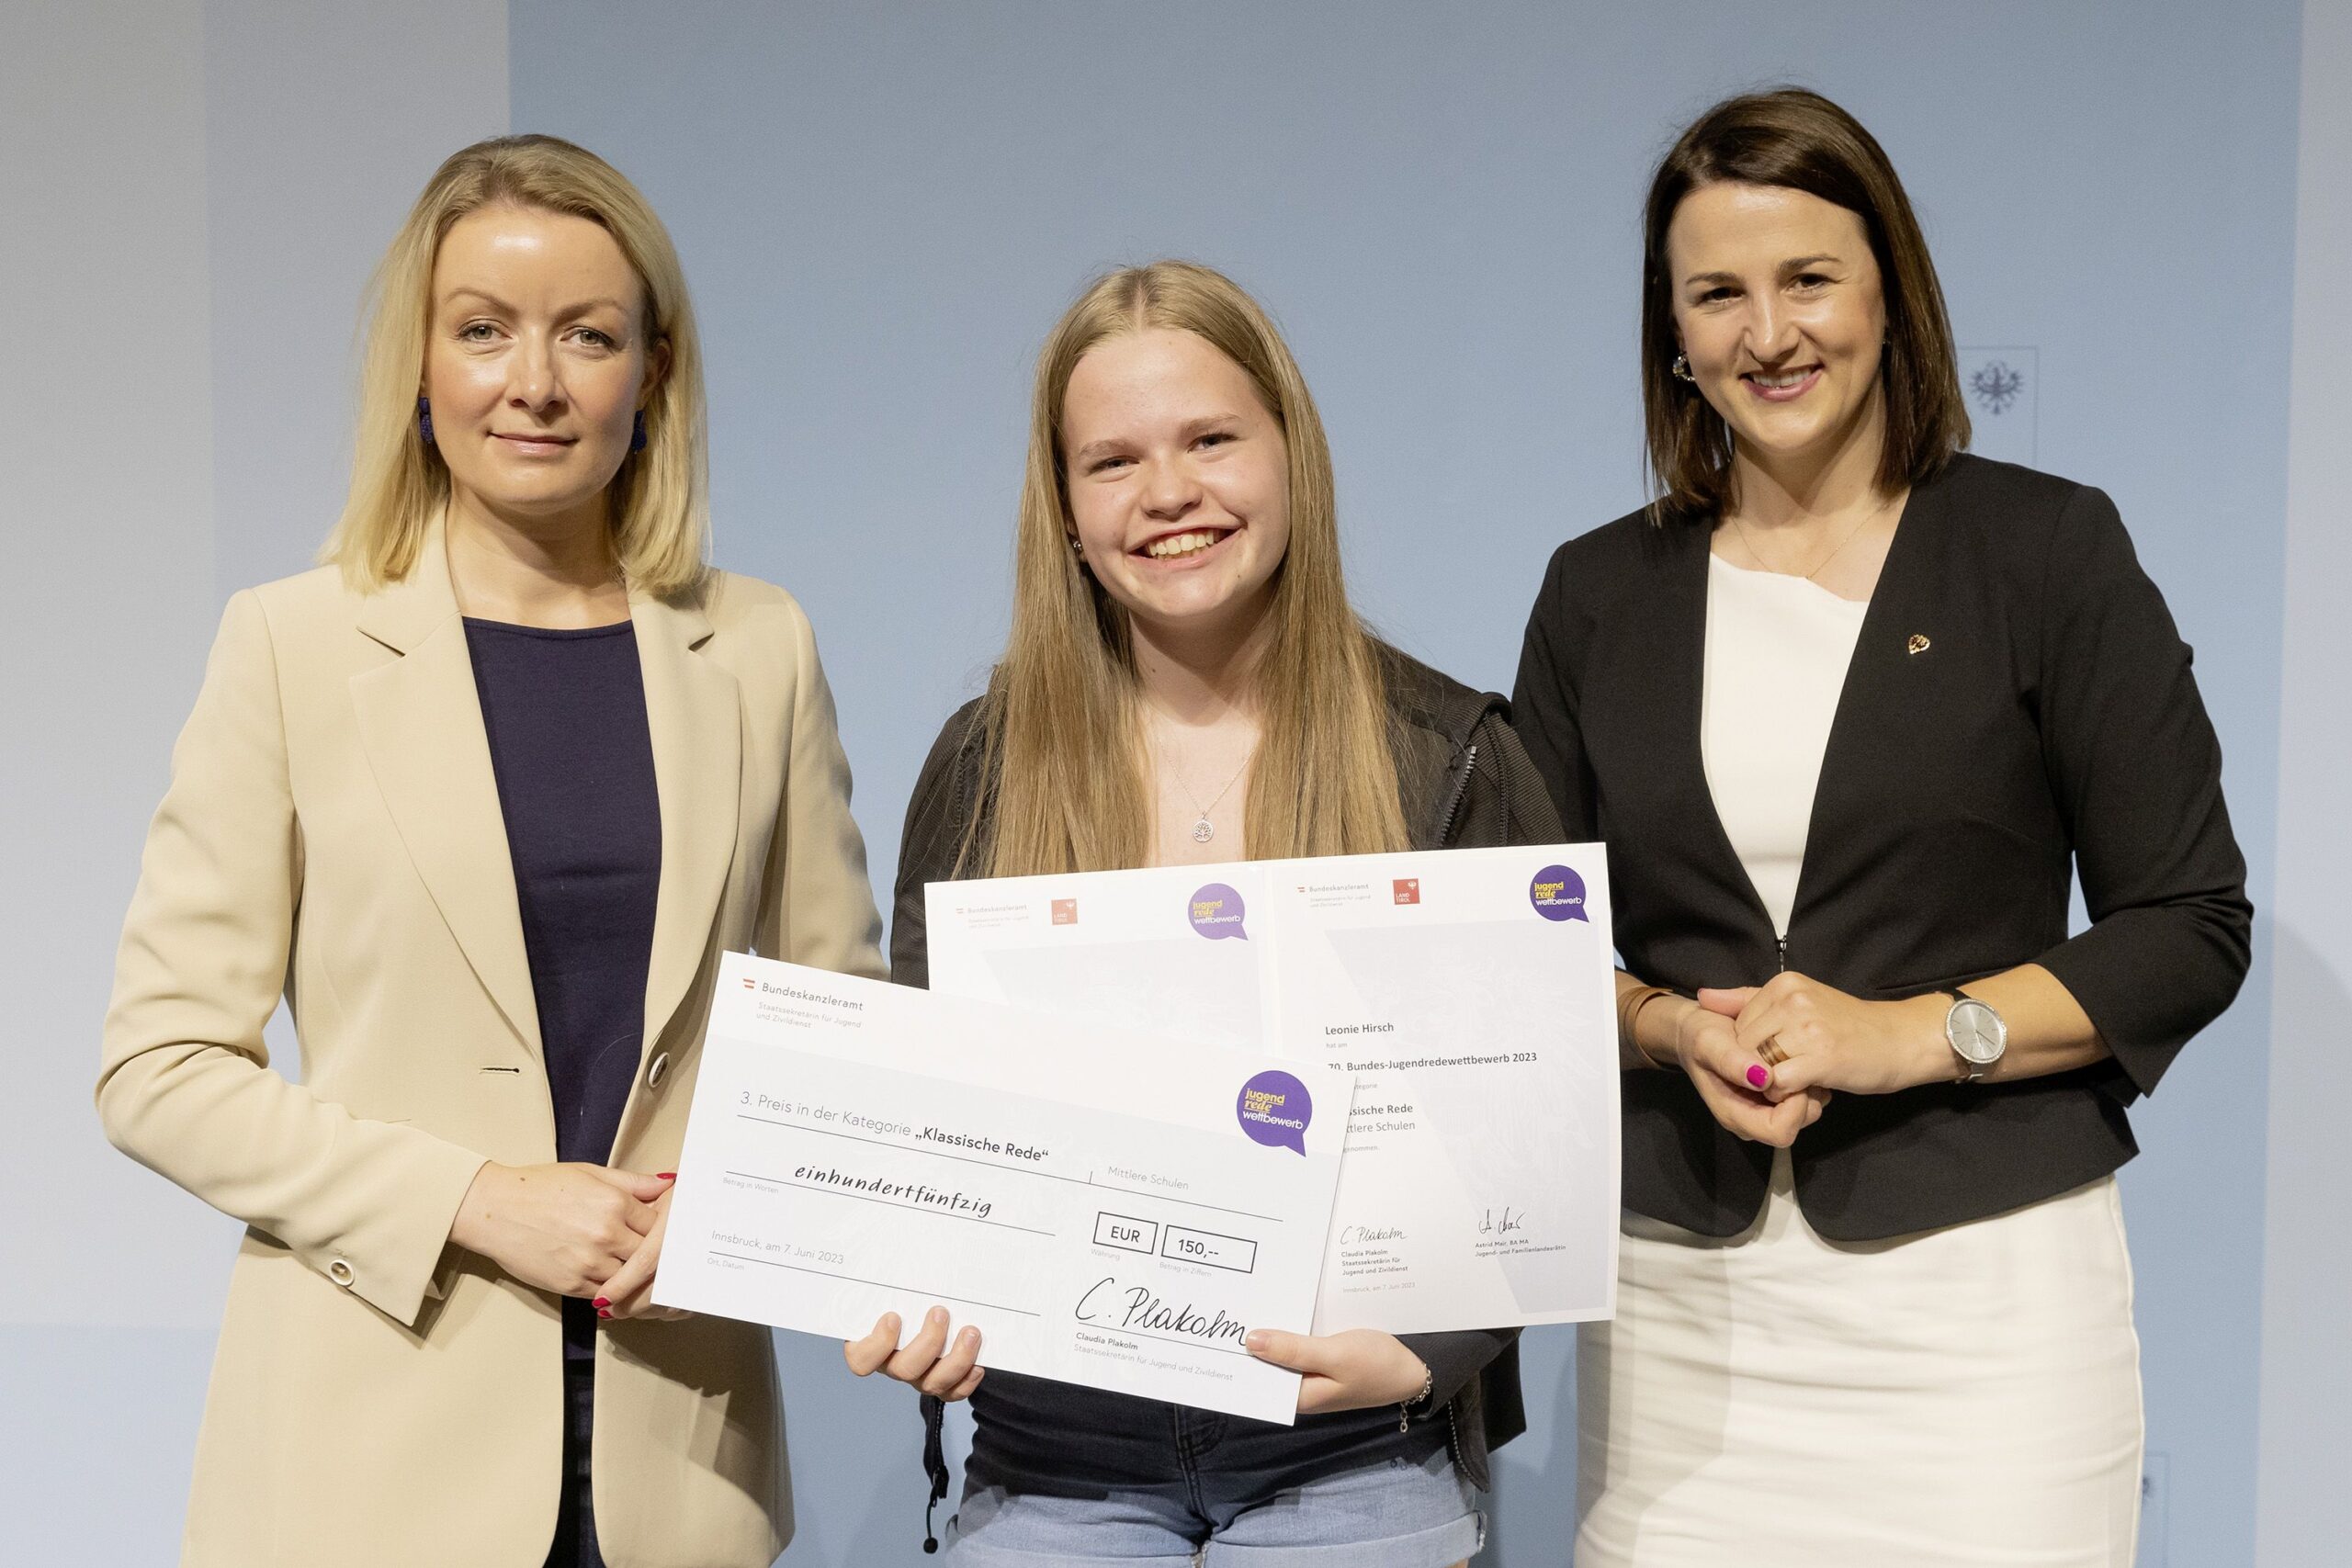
(1976, 1034)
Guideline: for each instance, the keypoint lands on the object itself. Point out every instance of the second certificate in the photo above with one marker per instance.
(1469, 994)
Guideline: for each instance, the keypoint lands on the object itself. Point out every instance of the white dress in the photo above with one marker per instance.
(1960, 1398)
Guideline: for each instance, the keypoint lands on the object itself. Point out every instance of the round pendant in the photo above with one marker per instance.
(1202, 832)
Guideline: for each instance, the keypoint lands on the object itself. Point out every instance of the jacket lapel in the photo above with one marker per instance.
(695, 712)
(420, 723)
(1867, 756)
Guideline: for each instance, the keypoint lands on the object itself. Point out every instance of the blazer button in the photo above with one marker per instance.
(340, 1272)
(657, 1071)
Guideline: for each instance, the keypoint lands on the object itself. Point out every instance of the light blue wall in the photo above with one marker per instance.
(882, 208)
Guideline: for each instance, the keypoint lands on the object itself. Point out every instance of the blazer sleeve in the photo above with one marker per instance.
(816, 904)
(186, 1087)
(2136, 772)
(1543, 702)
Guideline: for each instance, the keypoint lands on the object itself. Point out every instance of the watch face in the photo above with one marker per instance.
(1976, 1032)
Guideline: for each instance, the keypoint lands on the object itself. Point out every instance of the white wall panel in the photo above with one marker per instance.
(191, 197)
(2306, 1431)
(105, 440)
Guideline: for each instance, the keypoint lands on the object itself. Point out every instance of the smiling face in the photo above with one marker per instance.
(1178, 480)
(536, 363)
(1779, 309)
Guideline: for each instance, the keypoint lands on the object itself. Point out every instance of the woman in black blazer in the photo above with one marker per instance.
(1849, 706)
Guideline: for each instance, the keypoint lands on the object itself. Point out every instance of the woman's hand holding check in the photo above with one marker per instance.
(575, 1229)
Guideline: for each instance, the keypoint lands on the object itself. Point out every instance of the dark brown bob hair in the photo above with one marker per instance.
(1799, 140)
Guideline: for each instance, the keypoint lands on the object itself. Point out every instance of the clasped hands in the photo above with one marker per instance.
(1355, 1369)
(578, 1230)
(1767, 1059)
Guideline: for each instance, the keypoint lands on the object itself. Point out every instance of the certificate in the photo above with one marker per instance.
(1107, 1208)
(1469, 993)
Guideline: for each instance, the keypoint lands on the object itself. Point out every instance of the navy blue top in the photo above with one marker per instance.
(565, 714)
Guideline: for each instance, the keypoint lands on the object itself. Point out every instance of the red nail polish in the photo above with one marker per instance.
(602, 1313)
(1757, 1078)
(665, 1176)
(602, 1303)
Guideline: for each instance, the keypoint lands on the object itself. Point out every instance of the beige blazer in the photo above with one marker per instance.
(333, 830)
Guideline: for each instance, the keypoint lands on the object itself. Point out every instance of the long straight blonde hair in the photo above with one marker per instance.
(1061, 748)
(660, 510)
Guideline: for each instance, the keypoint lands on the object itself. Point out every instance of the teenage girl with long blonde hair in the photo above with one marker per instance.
(1185, 683)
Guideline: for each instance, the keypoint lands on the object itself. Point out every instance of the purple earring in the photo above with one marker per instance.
(424, 421)
(637, 434)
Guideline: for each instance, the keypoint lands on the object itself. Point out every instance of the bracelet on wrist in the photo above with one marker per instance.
(1628, 1011)
(1407, 1409)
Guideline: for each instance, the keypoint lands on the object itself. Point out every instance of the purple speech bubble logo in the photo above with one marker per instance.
(1274, 1109)
(1216, 912)
(1557, 894)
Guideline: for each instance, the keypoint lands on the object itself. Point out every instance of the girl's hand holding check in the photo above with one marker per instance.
(1356, 1369)
(927, 1360)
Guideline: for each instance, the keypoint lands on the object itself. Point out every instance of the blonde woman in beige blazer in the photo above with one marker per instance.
(392, 1384)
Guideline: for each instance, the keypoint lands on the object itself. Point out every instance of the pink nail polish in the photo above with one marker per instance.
(1757, 1078)
(602, 1313)
(600, 1303)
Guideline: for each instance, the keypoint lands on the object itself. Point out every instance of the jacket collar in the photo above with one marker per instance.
(1881, 677)
(421, 725)
(694, 708)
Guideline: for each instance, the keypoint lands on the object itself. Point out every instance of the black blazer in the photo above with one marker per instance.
(2018, 699)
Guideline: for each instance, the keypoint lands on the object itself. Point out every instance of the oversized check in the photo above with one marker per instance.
(1470, 994)
(1106, 1208)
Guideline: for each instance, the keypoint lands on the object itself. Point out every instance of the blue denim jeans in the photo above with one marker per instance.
(1393, 1513)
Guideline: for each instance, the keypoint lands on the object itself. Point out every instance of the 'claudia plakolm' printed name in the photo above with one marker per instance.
(979, 1144)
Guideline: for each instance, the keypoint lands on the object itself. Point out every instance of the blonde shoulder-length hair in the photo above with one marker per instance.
(1061, 742)
(661, 514)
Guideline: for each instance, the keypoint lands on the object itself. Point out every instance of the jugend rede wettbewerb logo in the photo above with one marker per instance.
(1557, 894)
(1216, 912)
(1274, 1109)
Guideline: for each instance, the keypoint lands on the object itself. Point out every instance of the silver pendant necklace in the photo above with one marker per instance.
(1204, 829)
